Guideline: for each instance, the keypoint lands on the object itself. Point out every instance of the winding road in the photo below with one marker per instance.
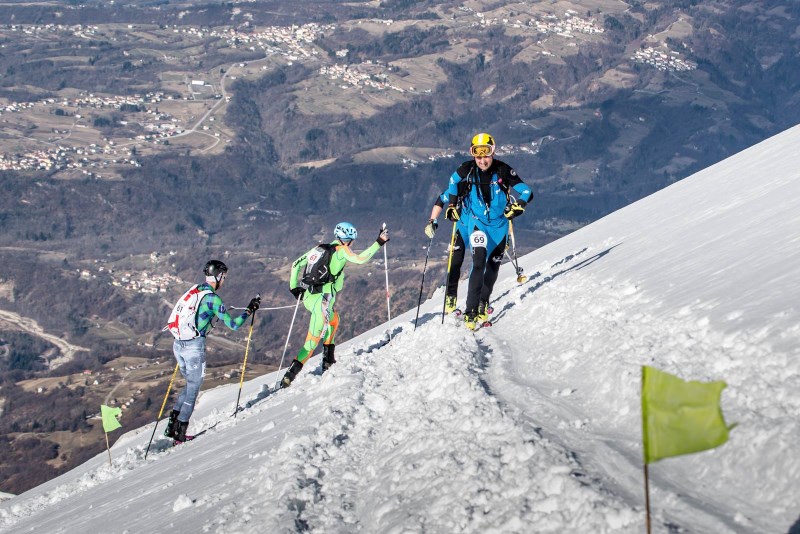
(32, 327)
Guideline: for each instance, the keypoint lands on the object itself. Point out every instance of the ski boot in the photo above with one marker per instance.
(484, 310)
(180, 433)
(291, 374)
(471, 320)
(327, 356)
(450, 303)
(172, 424)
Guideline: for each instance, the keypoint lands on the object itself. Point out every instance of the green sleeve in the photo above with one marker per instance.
(222, 314)
(344, 256)
(297, 267)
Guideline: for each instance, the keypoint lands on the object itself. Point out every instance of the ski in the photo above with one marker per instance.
(205, 430)
(195, 436)
(261, 396)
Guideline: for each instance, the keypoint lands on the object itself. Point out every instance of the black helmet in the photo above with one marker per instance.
(215, 269)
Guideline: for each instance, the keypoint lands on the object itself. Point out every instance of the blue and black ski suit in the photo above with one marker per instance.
(483, 197)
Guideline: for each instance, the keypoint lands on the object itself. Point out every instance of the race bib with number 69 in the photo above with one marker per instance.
(478, 239)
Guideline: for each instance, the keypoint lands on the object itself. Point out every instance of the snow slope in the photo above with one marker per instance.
(532, 425)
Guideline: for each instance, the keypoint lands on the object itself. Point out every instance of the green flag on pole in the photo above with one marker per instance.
(680, 417)
(110, 417)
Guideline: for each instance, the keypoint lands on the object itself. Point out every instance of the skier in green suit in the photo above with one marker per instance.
(320, 299)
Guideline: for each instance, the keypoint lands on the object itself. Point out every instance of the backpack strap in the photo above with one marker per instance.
(212, 323)
(465, 185)
(333, 248)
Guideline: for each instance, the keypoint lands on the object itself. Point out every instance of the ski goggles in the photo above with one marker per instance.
(219, 278)
(481, 151)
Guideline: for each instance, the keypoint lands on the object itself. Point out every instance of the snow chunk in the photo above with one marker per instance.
(182, 502)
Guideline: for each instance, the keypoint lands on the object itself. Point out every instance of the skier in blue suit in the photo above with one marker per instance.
(486, 193)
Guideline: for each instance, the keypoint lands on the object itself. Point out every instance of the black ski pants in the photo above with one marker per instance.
(485, 268)
(455, 265)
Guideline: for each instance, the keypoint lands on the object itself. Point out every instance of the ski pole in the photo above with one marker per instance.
(386, 270)
(449, 263)
(419, 299)
(520, 277)
(244, 363)
(291, 327)
(161, 412)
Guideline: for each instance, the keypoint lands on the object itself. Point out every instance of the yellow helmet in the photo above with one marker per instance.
(482, 145)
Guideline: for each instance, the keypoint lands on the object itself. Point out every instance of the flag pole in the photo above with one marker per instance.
(108, 448)
(647, 496)
(644, 456)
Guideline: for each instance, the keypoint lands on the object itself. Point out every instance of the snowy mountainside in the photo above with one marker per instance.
(532, 425)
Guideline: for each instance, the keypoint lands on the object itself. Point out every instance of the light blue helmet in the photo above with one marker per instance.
(345, 231)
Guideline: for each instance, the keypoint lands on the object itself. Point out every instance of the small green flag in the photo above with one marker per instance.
(110, 417)
(680, 417)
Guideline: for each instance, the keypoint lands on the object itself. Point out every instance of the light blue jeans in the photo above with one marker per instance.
(191, 357)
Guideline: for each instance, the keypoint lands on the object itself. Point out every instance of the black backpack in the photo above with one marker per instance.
(317, 272)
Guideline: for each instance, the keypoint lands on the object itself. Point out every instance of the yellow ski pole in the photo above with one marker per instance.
(449, 263)
(244, 363)
(161, 412)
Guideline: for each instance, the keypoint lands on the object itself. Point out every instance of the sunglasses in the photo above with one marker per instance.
(481, 151)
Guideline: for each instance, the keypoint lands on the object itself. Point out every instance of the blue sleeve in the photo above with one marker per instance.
(452, 188)
(523, 192)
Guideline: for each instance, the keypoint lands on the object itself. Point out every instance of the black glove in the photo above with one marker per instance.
(255, 302)
(430, 228)
(451, 214)
(514, 210)
(297, 292)
(383, 237)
